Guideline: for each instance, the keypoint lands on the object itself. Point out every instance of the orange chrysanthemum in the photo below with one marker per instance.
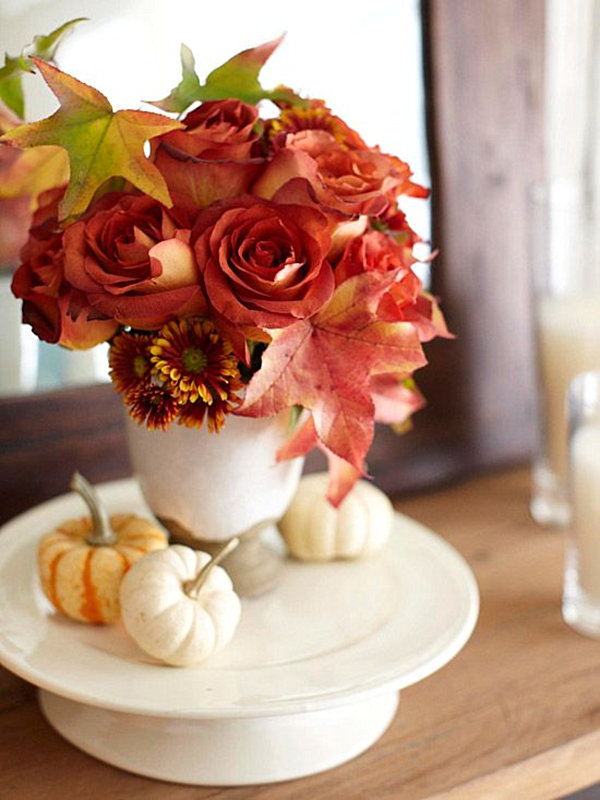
(153, 405)
(195, 361)
(129, 360)
(316, 117)
(192, 415)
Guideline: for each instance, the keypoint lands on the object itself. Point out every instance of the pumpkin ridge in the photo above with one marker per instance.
(89, 608)
(122, 543)
(186, 629)
(126, 562)
(201, 620)
(53, 568)
(80, 528)
(128, 538)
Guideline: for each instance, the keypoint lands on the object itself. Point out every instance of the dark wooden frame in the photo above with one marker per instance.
(483, 73)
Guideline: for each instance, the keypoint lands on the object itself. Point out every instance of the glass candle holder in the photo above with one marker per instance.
(581, 599)
(565, 226)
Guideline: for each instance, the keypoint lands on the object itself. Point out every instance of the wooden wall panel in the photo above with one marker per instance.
(45, 437)
(484, 63)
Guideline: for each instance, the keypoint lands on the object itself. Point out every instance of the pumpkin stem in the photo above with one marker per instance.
(192, 587)
(102, 534)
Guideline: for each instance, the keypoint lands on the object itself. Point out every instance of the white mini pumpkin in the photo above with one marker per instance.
(316, 531)
(180, 607)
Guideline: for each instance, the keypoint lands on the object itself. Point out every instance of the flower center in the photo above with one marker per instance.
(140, 366)
(193, 359)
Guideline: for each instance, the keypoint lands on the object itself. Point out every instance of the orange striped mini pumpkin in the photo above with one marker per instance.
(81, 563)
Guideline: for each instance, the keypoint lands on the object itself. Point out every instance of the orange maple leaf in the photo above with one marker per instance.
(395, 401)
(325, 364)
(101, 143)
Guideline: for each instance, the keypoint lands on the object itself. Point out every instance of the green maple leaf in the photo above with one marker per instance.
(237, 77)
(11, 74)
(101, 143)
(184, 94)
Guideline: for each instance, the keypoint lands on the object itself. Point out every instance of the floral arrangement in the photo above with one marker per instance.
(238, 264)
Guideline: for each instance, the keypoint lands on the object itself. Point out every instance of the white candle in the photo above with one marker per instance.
(569, 343)
(585, 488)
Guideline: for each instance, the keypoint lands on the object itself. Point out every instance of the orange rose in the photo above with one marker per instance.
(405, 301)
(376, 251)
(132, 262)
(263, 264)
(215, 157)
(350, 181)
(422, 311)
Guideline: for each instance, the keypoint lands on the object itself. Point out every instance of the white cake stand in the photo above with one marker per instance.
(310, 680)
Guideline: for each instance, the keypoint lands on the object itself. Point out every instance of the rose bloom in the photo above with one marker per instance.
(263, 264)
(351, 181)
(405, 301)
(216, 156)
(132, 262)
(55, 311)
(377, 251)
(423, 311)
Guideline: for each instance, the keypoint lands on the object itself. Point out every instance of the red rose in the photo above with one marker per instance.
(263, 264)
(132, 262)
(55, 311)
(351, 181)
(216, 157)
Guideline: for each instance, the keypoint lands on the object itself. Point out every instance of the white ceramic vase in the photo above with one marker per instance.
(206, 488)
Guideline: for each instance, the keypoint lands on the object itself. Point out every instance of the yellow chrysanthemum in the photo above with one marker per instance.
(192, 415)
(195, 361)
(315, 117)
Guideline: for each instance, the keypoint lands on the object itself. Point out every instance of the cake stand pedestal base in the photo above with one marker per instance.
(231, 751)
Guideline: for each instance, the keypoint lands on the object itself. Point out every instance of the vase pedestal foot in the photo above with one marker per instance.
(225, 751)
(254, 567)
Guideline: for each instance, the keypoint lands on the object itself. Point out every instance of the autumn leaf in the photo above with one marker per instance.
(33, 172)
(395, 400)
(185, 93)
(24, 175)
(325, 364)
(11, 74)
(11, 85)
(236, 78)
(342, 475)
(101, 143)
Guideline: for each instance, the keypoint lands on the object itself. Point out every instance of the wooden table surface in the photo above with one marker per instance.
(515, 715)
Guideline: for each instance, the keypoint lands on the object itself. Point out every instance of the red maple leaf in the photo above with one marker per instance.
(325, 364)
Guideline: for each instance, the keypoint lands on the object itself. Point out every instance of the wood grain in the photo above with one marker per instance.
(516, 714)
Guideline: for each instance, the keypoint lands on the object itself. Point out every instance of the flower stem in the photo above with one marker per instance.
(102, 534)
(192, 587)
